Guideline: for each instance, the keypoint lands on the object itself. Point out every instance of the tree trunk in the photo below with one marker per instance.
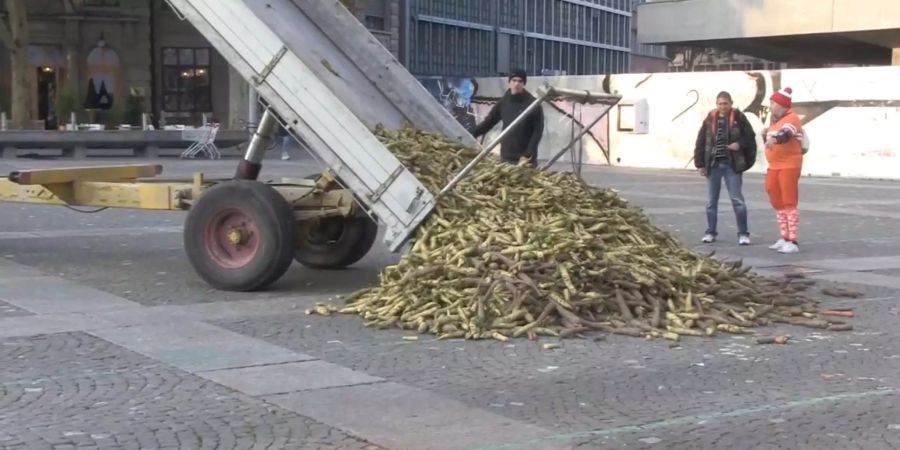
(18, 51)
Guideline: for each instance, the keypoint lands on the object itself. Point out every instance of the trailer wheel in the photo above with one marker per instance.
(335, 242)
(240, 235)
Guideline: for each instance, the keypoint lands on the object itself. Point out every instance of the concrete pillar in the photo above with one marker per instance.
(150, 151)
(79, 152)
(73, 59)
(895, 57)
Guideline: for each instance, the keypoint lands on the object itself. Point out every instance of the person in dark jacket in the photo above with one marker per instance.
(725, 148)
(521, 143)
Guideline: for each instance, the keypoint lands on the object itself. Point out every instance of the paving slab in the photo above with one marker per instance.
(871, 279)
(401, 417)
(34, 325)
(198, 347)
(855, 264)
(11, 270)
(290, 377)
(53, 295)
(7, 310)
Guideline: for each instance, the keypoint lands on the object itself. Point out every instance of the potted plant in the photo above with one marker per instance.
(134, 109)
(114, 117)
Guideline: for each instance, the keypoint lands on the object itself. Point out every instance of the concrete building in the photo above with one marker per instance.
(382, 18)
(645, 58)
(119, 58)
(113, 58)
(487, 38)
(803, 33)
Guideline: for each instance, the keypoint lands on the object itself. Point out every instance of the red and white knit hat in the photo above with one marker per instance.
(783, 97)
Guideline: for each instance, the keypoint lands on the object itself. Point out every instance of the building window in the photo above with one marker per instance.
(186, 80)
(375, 14)
(101, 2)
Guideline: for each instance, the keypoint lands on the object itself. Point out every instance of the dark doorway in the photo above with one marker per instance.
(46, 98)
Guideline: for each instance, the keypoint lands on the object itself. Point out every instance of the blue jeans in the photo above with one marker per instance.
(733, 181)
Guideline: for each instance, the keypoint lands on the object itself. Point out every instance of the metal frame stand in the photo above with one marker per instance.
(582, 98)
(546, 93)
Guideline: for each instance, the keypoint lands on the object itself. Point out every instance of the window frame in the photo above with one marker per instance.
(179, 68)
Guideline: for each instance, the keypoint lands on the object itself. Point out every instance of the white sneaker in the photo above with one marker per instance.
(285, 156)
(778, 245)
(743, 240)
(708, 239)
(789, 247)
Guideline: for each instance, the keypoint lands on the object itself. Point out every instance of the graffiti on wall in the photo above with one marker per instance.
(849, 114)
(457, 96)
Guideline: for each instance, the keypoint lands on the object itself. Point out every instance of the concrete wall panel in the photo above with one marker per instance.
(850, 114)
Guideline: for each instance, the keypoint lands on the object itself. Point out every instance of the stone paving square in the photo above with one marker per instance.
(109, 341)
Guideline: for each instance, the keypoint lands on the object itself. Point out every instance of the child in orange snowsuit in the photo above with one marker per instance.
(784, 154)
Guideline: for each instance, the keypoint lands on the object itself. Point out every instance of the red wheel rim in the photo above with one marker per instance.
(231, 238)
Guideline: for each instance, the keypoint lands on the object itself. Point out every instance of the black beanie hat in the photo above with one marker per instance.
(519, 73)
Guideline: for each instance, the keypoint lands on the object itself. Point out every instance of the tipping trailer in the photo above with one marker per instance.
(329, 82)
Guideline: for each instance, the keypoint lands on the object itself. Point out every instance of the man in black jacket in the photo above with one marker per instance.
(725, 148)
(521, 143)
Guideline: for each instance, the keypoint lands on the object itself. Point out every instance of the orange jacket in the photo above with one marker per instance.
(788, 154)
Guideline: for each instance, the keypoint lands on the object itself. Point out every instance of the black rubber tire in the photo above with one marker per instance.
(350, 240)
(272, 216)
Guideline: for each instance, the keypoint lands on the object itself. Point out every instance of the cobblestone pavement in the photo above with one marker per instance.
(73, 390)
(63, 384)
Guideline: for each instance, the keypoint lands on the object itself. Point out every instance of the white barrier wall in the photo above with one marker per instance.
(852, 116)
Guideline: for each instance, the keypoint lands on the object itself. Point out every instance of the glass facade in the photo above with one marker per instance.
(492, 37)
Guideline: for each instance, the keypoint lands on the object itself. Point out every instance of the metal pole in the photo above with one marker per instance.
(572, 153)
(584, 96)
(581, 141)
(577, 138)
(515, 124)
(252, 105)
(249, 167)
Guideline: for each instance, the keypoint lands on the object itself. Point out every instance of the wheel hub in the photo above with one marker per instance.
(237, 236)
(232, 238)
